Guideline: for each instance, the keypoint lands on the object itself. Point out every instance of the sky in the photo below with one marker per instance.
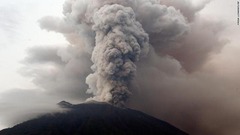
(22, 40)
(19, 30)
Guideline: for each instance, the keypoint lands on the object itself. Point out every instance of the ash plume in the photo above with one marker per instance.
(117, 28)
(120, 41)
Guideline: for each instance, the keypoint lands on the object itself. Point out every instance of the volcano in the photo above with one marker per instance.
(94, 118)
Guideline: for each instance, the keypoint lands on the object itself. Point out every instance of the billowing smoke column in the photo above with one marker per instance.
(116, 35)
(120, 41)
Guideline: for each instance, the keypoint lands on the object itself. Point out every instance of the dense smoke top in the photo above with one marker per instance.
(121, 31)
(159, 57)
(120, 40)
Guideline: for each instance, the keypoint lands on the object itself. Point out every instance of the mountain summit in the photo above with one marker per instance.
(94, 119)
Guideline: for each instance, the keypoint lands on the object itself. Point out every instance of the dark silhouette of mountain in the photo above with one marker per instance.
(94, 119)
(65, 104)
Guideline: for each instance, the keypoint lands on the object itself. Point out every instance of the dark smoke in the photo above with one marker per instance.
(120, 41)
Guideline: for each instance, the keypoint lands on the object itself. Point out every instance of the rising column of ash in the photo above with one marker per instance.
(120, 41)
(117, 34)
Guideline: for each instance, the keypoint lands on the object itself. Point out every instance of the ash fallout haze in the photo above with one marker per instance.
(177, 60)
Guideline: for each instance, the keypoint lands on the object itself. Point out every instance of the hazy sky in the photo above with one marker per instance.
(19, 31)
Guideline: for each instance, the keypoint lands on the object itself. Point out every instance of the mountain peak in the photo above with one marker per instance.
(65, 104)
(94, 119)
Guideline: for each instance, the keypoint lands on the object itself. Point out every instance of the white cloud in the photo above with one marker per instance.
(19, 29)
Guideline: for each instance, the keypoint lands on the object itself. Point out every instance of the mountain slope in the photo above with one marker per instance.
(94, 119)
